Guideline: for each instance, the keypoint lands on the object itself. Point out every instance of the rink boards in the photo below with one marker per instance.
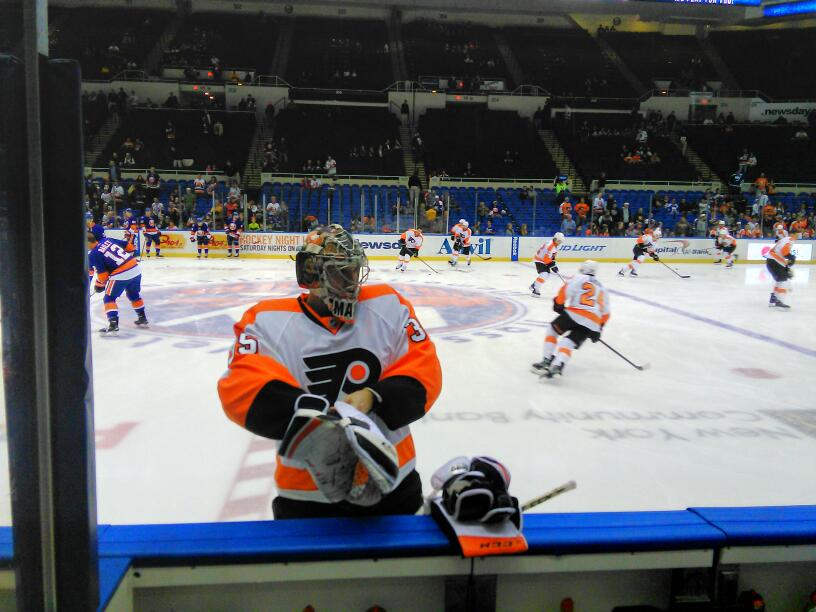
(498, 248)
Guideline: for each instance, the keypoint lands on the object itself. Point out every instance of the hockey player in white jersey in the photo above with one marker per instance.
(582, 305)
(460, 235)
(297, 362)
(545, 262)
(410, 242)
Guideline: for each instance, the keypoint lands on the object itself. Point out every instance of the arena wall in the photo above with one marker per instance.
(494, 248)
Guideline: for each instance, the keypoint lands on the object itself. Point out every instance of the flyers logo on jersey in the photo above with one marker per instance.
(341, 373)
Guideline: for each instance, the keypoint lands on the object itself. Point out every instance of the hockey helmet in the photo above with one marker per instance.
(463, 222)
(589, 267)
(333, 265)
(658, 233)
(558, 237)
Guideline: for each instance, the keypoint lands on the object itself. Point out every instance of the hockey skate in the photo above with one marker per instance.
(553, 370)
(780, 304)
(620, 273)
(540, 368)
(730, 264)
(399, 267)
(158, 255)
(632, 273)
(142, 321)
(718, 261)
(452, 263)
(111, 329)
(535, 291)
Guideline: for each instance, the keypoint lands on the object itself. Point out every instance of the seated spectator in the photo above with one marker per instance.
(253, 225)
(489, 231)
(509, 230)
(369, 226)
(523, 231)
(566, 208)
(682, 226)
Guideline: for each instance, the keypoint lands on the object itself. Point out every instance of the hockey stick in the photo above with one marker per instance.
(428, 265)
(568, 486)
(483, 258)
(673, 270)
(645, 366)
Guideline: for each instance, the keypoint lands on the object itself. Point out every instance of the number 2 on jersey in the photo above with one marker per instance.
(588, 296)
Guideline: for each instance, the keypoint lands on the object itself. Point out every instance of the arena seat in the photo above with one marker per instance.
(208, 35)
(340, 53)
(315, 132)
(149, 125)
(593, 154)
(779, 155)
(461, 134)
(452, 50)
(773, 61)
(566, 62)
(105, 40)
(655, 56)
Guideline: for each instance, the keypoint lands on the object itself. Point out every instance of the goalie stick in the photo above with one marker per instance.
(567, 486)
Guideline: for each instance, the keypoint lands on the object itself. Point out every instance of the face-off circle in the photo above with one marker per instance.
(209, 310)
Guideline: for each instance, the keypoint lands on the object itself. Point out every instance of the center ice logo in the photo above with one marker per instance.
(208, 311)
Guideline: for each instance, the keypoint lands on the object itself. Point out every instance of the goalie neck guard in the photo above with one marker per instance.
(333, 266)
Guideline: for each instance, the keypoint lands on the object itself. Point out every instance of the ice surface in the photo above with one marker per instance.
(724, 416)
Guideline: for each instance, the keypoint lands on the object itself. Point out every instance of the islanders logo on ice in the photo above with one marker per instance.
(208, 311)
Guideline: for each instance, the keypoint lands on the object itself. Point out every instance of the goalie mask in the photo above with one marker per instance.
(333, 265)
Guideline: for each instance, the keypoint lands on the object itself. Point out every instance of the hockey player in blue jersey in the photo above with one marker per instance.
(152, 235)
(234, 228)
(117, 272)
(200, 234)
(93, 227)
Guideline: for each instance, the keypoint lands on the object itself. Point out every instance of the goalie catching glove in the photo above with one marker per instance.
(347, 460)
(477, 490)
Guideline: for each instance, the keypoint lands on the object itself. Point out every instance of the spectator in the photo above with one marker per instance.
(153, 182)
(218, 128)
(565, 209)
(582, 210)
(369, 227)
(331, 167)
(405, 112)
(598, 204)
(253, 225)
(701, 226)
(509, 230)
(523, 231)
(489, 231)
(682, 226)
(761, 183)
(568, 226)
(625, 213)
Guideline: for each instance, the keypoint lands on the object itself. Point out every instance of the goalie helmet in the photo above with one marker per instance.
(589, 267)
(333, 266)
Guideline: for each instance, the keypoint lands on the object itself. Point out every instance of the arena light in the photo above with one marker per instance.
(195, 87)
(789, 8)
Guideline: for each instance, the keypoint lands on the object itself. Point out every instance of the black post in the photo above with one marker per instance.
(19, 363)
(70, 380)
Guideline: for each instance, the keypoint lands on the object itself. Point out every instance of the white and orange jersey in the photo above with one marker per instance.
(284, 348)
(586, 301)
(413, 238)
(546, 253)
(647, 241)
(726, 240)
(462, 233)
(780, 251)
